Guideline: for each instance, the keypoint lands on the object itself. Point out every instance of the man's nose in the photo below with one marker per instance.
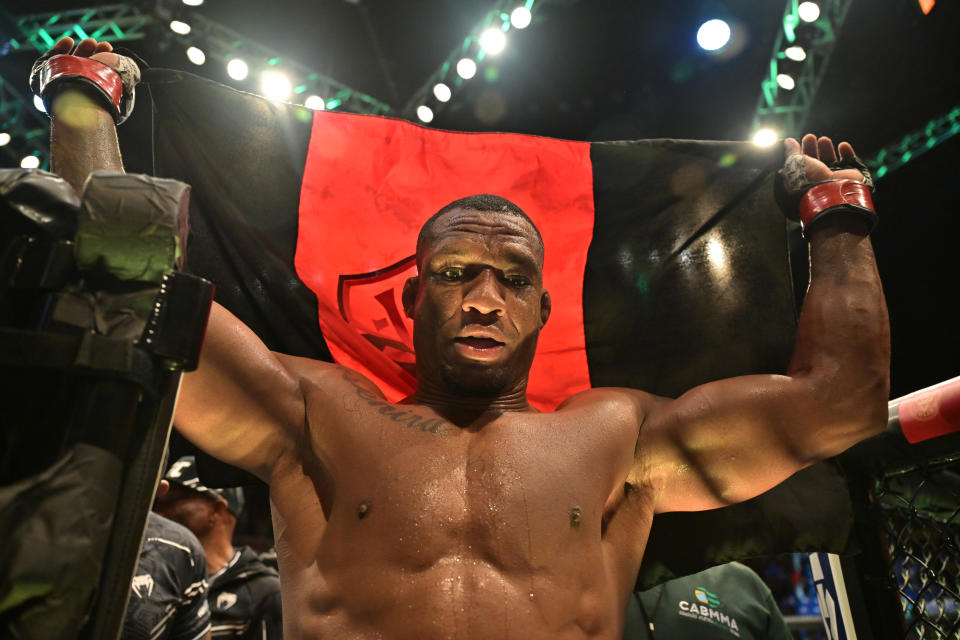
(484, 295)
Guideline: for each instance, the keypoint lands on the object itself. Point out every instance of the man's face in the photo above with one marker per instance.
(187, 507)
(479, 304)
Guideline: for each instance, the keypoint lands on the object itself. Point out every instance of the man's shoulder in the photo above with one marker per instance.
(617, 399)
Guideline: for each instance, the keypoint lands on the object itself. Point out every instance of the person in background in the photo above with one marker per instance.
(168, 592)
(726, 601)
(244, 593)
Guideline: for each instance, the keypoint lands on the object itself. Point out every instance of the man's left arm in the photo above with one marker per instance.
(730, 440)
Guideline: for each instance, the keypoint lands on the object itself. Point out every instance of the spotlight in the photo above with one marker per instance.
(196, 56)
(795, 53)
(786, 81)
(38, 104)
(237, 69)
(276, 85)
(30, 162)
(193, 3)
(808, 11)
(4, 139)
(442, 92)
(466, 68)
(713, 34)
(493, 40)
(425, 113)
(520, 17)
(315, 102)
(765, 137)
(178, 26)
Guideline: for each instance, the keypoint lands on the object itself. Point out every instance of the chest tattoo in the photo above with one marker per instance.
(401, 416)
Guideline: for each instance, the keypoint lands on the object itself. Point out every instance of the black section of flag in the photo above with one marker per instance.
(244, 158)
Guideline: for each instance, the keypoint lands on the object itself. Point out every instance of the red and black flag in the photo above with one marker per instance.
(666, 260)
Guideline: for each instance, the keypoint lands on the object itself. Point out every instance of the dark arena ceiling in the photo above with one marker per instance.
(617, 69)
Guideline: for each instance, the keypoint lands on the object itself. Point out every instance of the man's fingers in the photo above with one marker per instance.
(809, 144)
(826, 150)
(846, 150)
(790, 147)
(85, 48)
(103, 47)
(63, 45)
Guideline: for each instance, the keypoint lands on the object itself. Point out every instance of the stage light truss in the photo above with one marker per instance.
(222, 44)
(914, 144)
(28, 129)
(498, 17)
(785, 110)
(116, 23)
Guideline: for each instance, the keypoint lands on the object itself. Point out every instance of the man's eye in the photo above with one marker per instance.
(451, 274)
(518, 281)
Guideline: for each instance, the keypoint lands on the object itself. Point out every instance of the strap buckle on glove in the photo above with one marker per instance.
(114, 87)
(837, 196)
(809, 203)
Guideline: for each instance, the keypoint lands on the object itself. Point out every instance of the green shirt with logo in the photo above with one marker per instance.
(725, 602)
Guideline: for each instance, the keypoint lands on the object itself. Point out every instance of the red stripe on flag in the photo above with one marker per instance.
(370, 183)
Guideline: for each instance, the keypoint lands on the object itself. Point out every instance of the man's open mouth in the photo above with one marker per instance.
(479, 343)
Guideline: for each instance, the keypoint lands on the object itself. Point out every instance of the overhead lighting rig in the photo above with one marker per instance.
(801, 51)
(488, 38)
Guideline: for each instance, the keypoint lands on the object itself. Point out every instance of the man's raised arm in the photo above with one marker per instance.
(730, 440)
(242, 405)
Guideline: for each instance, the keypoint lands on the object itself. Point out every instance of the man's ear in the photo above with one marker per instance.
(545, 306)
(410, 294)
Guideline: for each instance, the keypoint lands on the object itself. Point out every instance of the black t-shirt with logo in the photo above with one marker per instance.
(244, 599)
(168, 592)
(726, 602)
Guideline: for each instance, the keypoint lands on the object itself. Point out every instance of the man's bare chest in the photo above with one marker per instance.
(510, 488)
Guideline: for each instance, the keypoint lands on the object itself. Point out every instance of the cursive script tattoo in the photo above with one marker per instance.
(405, 417)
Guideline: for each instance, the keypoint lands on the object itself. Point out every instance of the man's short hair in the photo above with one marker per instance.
(478, 202)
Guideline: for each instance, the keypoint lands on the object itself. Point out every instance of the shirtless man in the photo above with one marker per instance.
(462, 512)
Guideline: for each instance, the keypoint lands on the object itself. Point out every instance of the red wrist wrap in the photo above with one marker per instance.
(105, 78)
(837, 195)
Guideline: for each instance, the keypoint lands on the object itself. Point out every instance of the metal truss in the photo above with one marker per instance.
(28, 129)
(915, 143)
(782, 110)
(116, 23)
(498, 16)
(223, 44)
(126, 22)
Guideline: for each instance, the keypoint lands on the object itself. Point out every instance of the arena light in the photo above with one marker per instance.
(765, 137)
(193, 3)
(276, 85)
(315, 102)
(30, 162)
(4, 138)
(493, 40)
(521, 17)
(795, 53)
(713, 34)
(425, 113)
(238, 69)
(926, 6)
(442, 92)
(808, 11)
(786, 81)
(196, 56)
(466, 68)
(180, 27)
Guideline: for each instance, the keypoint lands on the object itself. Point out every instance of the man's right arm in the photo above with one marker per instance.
(242, 405)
